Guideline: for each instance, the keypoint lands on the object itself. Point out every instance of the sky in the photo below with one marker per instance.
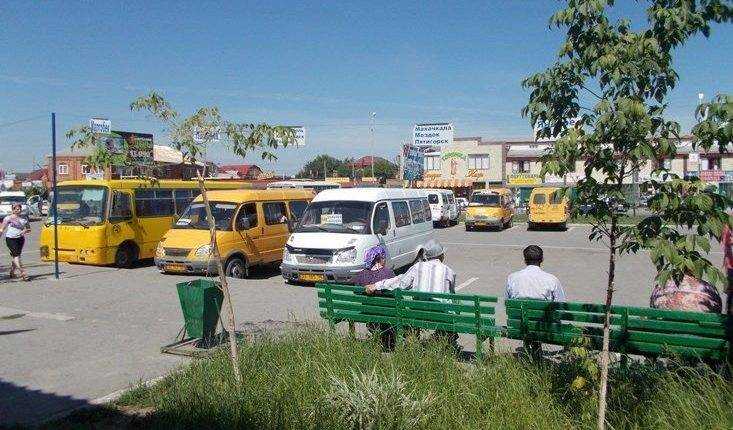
(325, 65)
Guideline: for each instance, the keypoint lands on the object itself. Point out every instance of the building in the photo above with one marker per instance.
(169, 164)
(471, 163)
(366, 162)
(467, 164)
(239, 171)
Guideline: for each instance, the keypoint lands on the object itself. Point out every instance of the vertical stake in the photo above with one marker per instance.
(55, 199)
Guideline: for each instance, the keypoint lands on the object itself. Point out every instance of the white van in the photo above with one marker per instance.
(339, 226)
(443, 207)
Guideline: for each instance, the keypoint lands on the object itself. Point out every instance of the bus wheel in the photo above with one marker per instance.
(125, 256)
(236, 268)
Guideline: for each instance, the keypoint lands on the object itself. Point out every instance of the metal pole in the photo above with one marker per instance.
(55, 199)
(372, 118)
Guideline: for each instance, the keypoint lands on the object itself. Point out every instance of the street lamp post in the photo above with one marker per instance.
(373, 114)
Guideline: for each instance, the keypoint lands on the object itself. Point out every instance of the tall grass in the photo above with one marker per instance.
(314, 380)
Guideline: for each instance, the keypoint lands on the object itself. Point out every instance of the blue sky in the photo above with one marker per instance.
(324, 65)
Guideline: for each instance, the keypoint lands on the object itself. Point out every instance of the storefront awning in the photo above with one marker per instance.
(445, 183)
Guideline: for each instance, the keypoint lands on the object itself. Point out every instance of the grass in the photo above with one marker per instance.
(311, 379)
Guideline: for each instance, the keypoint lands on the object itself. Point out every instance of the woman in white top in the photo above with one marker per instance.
(15, 228)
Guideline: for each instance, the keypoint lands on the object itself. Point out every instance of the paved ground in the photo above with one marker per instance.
(97, 330)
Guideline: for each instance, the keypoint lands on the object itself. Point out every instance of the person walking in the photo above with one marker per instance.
(532, 282)
(727, 242)
(15, 228)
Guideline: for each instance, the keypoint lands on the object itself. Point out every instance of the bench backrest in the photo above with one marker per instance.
(634, 330)
(459, 313)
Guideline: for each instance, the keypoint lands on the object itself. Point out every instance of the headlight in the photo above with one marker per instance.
(288, 257)
(345, 256)
(203, 251)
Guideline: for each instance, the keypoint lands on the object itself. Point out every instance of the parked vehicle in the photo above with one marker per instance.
(251, 229)
(36, 205)
(547, 209)
(8, 199)
(316, 186)
(117, 221)
(340, 226)
(490, 208)
(443, 208)
(462, 203)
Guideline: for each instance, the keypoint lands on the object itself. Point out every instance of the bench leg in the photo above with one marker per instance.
(479, 349)
(491, 346)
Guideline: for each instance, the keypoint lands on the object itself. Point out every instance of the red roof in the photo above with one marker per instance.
(367, 161)
(37, 175)
(243, 170)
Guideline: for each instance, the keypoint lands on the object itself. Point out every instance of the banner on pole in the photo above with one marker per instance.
(432, 135)
(413, 163)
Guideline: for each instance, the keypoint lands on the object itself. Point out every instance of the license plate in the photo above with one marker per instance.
(481, 224)
(311, 277)
(175, 267)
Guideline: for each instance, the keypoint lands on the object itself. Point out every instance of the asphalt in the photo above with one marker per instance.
(96, 330)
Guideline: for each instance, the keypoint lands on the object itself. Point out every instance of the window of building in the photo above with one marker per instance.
(432, 162)
(154, 202)
(667, 163)
(63, 169)
(401, 213)
(521, 166)
(478, 161)
(710, 163)
(275, 213)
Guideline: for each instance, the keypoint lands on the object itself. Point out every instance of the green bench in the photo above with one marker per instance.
(633, 330)
(452, 313)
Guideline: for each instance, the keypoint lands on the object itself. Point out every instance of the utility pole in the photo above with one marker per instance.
(324, 167)
(55, 199)
(374, 114)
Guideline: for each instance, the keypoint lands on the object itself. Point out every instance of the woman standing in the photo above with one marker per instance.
(15, 228)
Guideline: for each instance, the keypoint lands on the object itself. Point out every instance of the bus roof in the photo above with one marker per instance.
(155, 183)
(369, 194)
(240, 196)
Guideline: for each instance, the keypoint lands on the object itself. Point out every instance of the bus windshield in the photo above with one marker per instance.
(194, 217)
(81, 205)
(485, 200)
(337, 216)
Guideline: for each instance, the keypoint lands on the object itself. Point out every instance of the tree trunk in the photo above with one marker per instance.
(606, 327)
(214, 252)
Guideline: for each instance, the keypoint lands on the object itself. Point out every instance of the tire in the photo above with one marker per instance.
(564, 226)
(236, 268)
(125, 256)
(468, 228)
(530, 225)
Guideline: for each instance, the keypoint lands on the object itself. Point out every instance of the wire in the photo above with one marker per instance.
(20, 121)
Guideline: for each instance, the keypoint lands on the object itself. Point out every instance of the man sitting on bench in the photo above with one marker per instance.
(533, 282)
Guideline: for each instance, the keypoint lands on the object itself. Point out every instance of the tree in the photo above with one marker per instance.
(192, 136)
(314, 169)
(383, 169)
(604, 100)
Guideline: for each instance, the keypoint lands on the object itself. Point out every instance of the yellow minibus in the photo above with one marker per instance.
(252, 227)
(490, 208)
(547, 209)
(102, 222)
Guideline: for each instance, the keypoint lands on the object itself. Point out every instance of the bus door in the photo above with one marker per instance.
(121, 225)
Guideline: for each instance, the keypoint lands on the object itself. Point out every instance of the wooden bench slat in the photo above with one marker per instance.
(443, 317)
(365, 309)
(446, 307)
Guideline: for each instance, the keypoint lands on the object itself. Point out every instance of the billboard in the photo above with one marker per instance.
(138, 146)
(432, 135)
(412, 165)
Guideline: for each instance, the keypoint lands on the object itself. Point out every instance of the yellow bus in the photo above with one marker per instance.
(103, 222)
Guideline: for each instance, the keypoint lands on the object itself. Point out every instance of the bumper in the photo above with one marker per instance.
(493, 222)
(183, 265)
(292, 272)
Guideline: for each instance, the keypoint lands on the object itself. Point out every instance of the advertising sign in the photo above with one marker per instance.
(432, 135)
(524, 179)
(100, 125)
(712, 175)
(413, 163)
(138, 146)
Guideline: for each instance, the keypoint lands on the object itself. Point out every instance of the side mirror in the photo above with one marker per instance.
(243, 224)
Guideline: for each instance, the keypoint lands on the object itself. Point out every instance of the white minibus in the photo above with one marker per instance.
(443, 207)
(339, 226)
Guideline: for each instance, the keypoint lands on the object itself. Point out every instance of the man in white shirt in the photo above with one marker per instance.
(533, 282)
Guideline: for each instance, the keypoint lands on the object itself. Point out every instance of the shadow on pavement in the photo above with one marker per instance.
(5, 333)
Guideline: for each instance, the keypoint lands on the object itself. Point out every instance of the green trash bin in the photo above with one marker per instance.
(200, 303)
